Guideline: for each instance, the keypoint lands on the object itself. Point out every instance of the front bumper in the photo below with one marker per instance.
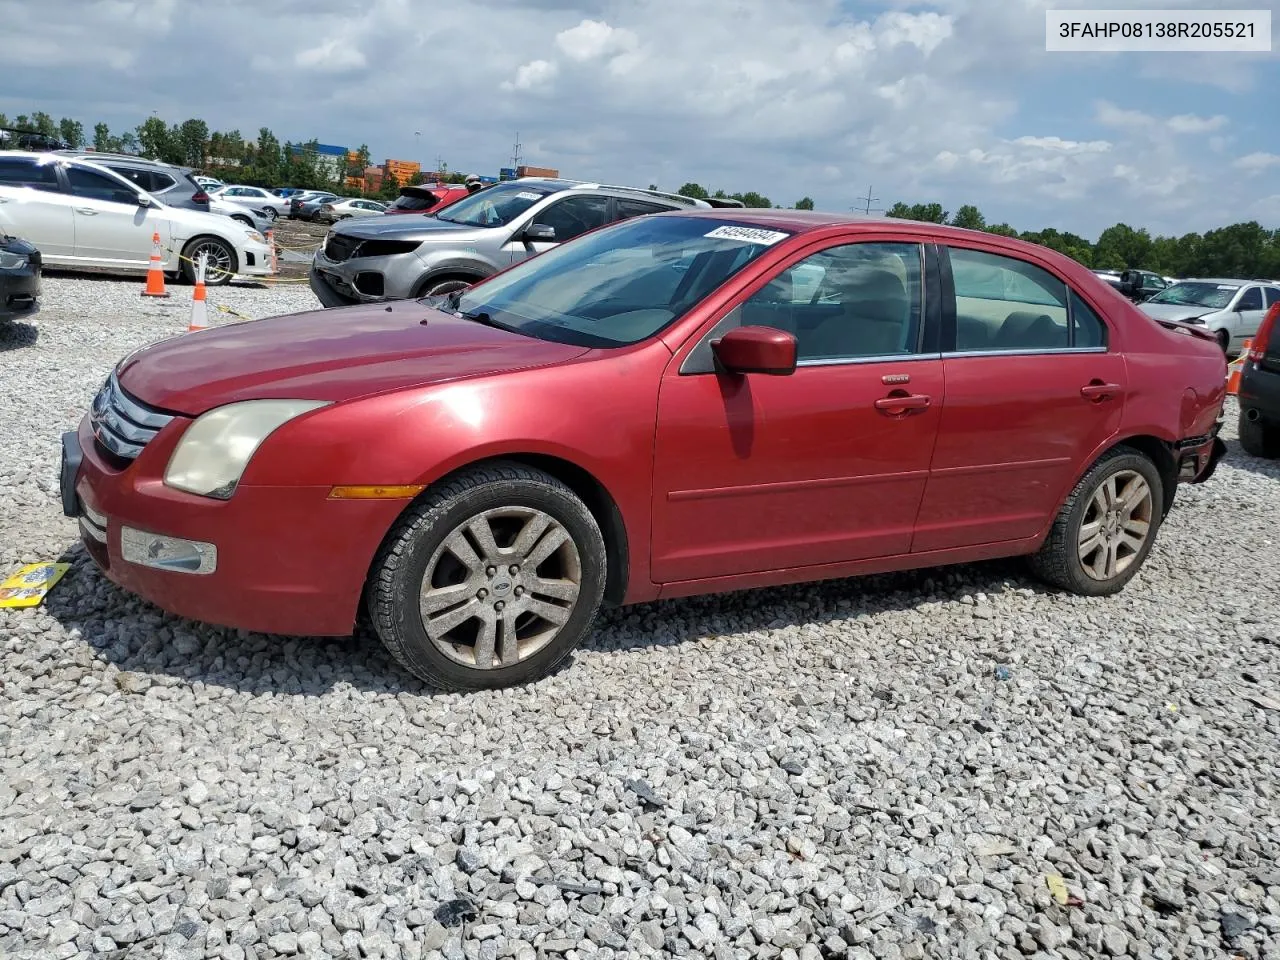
(287, 560)
(19, 291)
(256, 260)
(368, 279)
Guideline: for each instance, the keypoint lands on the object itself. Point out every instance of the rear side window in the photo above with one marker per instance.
(637, 208)
(1087, 328)
(24, 172)
(1006, 304)
(1251, 299)
(1273, 295)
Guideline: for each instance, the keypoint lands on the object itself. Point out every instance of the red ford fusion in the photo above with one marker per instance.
(676, 404)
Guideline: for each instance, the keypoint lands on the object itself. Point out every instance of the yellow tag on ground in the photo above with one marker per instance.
(28, 586)
(1057, 886)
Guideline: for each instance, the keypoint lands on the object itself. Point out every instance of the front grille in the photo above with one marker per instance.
(122, 424)
(340, 249)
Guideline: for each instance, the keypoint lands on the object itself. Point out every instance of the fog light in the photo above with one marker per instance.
(167, 553)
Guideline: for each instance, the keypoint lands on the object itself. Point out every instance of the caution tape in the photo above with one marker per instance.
(244, 276)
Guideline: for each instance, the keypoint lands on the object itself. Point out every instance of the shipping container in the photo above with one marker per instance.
(536, 172)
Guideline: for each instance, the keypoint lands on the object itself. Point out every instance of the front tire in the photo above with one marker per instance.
(1105, 530)
(490, 581)
(438, 288)
(1224, 340)
(222, 261)
(1259, 439)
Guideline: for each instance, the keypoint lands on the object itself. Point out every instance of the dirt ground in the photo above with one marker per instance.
(296, 241)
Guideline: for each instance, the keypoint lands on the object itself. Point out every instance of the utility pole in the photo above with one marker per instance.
(515, 153)
(440, 167)
(867, 201)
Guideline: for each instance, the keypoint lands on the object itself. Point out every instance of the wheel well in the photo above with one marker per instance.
(231, 247)
(445, 278)
(1159, 453)
(597, 499)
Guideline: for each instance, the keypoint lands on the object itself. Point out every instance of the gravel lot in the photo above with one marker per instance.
(892, 767)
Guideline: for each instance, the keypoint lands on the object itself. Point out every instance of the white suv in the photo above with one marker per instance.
(82, 215)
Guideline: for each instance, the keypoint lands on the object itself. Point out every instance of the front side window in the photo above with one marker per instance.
(1007, 304)
(496, 206)
(1251, 299)
(618, 286)
(94, 186)
(849, 302)
(1273, 295)
(574, 216)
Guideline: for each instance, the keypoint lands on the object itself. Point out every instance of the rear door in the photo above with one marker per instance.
(34, 207)
(1033, 385)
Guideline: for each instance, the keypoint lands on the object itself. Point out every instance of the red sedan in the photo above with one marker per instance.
(676, 404)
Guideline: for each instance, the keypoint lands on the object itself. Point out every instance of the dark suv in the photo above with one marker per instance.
(1260, 390)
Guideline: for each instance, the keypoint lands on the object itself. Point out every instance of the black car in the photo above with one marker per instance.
(1260, 390)
(19, 278)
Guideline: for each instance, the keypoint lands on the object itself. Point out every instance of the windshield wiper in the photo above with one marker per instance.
(479, 316)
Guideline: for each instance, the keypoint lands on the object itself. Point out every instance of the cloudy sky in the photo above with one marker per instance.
(954, 101)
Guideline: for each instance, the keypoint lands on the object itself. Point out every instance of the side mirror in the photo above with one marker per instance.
(756, 350)
(143, 200)
(539, 233)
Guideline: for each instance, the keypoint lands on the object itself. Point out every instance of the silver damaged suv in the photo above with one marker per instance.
(420, 255)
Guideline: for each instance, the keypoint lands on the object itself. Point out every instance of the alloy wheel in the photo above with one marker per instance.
(219, 264)
(1116, 524)
(500, 587)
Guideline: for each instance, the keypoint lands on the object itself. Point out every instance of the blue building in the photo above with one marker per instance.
(329, 158)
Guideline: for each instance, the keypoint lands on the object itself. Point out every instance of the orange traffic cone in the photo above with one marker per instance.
(155, 272)
(199, 311)
(1234, 368)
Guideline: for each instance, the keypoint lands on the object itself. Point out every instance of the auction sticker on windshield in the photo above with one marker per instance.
(528, 196)
(748, 235)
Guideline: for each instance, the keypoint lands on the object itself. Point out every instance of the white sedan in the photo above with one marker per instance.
(336, 210)
(255, 198)
(80, 215)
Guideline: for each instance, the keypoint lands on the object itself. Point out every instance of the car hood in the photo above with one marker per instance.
(1174, 311)
(337, 354)
(410, 227)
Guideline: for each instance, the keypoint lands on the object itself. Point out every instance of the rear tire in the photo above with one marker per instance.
(1259, 438)
(491, 580)
(1105, 530)
(1224, 340)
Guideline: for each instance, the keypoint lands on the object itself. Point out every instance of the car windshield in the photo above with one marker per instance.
(1194, 294)
(617, 285)
(498, 205)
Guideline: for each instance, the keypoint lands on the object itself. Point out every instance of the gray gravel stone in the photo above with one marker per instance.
(777, 773)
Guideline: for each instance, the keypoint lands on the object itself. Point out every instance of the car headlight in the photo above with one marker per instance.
(12, 261)
(213, 453)
(255, 236)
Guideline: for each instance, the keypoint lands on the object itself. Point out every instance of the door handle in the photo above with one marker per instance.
(900, 403)
(86, 211)
(1099, 391)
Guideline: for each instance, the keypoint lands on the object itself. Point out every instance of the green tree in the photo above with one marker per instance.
(1002, 229)
(804, 203)
(72, 132)
(101, 137)
(752, 199)
(695, 190)
(390, 186)
(927, 212)
(44, 124)
(4, 121)
(970, 218)
(1120, 247)
(153, 138)
(193, 136)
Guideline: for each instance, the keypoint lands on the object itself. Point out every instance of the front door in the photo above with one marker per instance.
(111, 228)
(1249, 311)
(569, 218)
(1032, 388)
(825, 465)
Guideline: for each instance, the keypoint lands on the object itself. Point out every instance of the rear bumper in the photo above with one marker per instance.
(1260, 392)
(1198, 458)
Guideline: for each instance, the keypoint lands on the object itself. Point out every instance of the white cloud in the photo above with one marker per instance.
(1257, 162)
(532, 75)
(592, 39)
(1190, 123)
(335, 55)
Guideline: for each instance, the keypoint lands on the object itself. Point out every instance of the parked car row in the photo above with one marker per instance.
(392, 258)
(82, 214)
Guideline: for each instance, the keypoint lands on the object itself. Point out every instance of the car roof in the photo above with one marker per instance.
(1234, 281)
